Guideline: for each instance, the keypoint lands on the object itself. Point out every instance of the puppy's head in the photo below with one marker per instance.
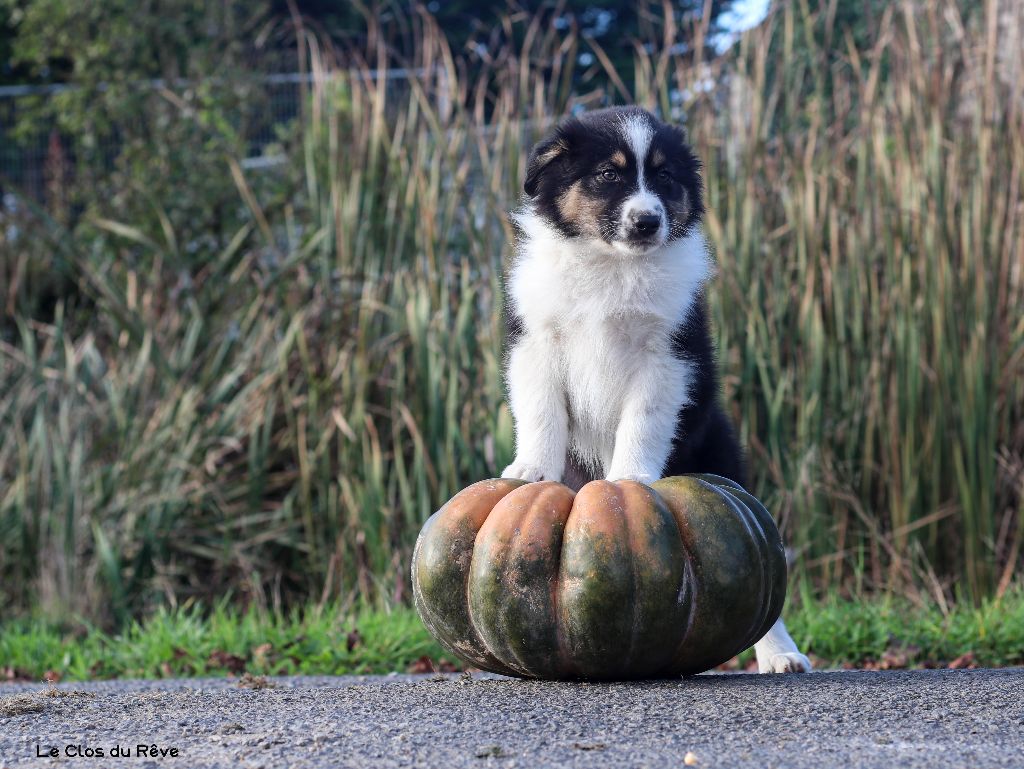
(619, 176)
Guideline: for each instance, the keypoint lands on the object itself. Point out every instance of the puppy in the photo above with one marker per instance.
(611, 370)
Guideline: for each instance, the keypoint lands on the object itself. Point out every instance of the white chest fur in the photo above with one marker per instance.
(603, 322)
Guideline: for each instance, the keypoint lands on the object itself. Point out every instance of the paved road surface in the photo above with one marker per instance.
(935, 719)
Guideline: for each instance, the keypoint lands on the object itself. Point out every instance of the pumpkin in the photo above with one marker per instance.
(620, 580)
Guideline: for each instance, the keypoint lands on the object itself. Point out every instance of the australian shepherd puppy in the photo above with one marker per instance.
(611, 370)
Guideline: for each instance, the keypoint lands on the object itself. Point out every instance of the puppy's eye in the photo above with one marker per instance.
(608, 175)
(664, 175)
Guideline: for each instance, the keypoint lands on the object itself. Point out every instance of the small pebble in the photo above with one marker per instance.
(690, 759)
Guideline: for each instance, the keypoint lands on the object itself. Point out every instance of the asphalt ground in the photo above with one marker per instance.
(935, 719)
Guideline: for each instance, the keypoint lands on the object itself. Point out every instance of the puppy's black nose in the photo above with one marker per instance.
(646, 224)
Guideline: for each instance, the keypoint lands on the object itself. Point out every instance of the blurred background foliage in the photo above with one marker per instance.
(245, 354)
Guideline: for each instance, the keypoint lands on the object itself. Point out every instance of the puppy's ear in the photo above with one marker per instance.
(684, 153)
(544, 154)
(680, 135)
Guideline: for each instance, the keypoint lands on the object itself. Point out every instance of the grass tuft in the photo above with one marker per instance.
(20, 704)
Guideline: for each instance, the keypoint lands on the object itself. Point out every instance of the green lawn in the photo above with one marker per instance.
(189, 642)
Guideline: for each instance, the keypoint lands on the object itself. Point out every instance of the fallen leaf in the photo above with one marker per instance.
(353, 639)
(183, 667)
(589, 745)
(898, 657)
(222, 659)
(422, 665)
(964, 662)
(51, 676)
(14, 674)
(426, 665)
(261, 653)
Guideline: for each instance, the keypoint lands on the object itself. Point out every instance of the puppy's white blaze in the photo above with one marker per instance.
(638, 133)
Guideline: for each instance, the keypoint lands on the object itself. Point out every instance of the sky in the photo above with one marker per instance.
(745, 13)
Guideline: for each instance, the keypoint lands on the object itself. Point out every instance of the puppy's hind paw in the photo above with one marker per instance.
(526, 471)
(789, 662)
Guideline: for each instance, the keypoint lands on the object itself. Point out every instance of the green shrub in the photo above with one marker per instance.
(275, 415)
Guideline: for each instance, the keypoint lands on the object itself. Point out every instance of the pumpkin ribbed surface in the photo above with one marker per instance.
(619, 580)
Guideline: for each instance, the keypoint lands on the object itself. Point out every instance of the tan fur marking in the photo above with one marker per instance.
(576, 207)
(619, 159)
(553, 153)
(569, 202)
(657, 158)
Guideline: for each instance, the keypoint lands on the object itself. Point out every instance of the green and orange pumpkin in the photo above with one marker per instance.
(619, 580)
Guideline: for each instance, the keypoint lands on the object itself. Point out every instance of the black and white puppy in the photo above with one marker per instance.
(611, 370)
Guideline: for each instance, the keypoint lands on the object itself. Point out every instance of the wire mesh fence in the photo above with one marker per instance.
(39, 155)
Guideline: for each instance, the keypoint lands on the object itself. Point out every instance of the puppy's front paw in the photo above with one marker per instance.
(527, 471)
(789, 662)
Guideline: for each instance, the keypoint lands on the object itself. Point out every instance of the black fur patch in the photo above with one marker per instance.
(705, 440)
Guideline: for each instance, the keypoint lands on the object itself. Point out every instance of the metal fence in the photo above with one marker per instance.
(30, 154)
